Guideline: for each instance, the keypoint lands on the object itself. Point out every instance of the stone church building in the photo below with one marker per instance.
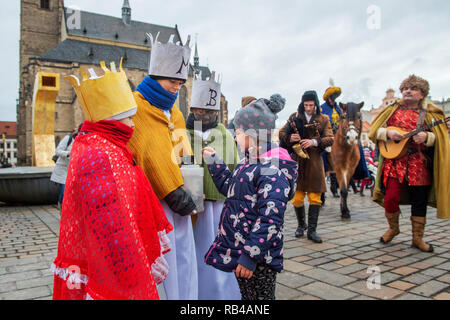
(57, 39)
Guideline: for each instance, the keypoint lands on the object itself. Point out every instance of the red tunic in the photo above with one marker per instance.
(418, 174)
(113, 228)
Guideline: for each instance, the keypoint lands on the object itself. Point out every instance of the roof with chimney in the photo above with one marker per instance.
(103, 27)
(107, 38)
(92, 53)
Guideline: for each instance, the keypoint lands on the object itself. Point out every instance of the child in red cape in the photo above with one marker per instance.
(113, 228)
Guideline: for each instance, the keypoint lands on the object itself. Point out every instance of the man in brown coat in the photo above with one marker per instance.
(312, 130)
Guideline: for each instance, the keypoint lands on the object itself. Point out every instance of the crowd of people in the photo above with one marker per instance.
(130, 229)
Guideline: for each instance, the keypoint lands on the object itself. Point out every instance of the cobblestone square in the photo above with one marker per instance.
(337, 269)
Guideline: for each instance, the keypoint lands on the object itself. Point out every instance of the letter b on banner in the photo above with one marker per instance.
(212, 98)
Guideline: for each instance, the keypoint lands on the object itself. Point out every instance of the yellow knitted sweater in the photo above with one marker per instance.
(157, 145)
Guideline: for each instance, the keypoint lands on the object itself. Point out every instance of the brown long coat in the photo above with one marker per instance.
(311, 173)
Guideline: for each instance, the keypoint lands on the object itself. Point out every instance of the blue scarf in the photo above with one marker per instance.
(156, 94)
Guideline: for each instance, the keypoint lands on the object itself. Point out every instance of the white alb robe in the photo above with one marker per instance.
(182, 280)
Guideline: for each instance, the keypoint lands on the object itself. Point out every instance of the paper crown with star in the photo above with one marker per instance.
(169, 60)
(206, 93)
(107, 97)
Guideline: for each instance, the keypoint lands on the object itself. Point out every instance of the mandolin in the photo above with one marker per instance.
(392, 149)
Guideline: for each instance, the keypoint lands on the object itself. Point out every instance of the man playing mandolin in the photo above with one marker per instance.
(419, 176)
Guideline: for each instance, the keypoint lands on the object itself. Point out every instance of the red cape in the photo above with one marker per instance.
(113, 228)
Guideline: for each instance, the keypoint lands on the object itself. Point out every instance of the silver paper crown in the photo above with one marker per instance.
(170, 60)
(206, 94)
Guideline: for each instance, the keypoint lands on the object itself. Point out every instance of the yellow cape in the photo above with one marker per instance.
(157, 145)
(439, 195)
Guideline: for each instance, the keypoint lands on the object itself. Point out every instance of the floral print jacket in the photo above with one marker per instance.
(251, 224)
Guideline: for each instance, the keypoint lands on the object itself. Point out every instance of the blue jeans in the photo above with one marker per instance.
(61, 192)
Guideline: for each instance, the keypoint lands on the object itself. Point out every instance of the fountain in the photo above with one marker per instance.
(28, 185)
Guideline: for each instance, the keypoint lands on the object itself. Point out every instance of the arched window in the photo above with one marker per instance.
(45, 4)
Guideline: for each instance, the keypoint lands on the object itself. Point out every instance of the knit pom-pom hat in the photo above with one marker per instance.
(258, 118)
(276, 103)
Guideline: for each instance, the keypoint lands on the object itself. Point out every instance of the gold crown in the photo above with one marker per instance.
(103, 97)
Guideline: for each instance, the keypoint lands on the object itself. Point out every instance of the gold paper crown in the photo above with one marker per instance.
(104, 97)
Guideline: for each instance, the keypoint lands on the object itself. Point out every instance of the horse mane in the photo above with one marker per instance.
(352, 110)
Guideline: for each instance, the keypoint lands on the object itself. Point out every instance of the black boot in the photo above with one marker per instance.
(361, 192)
(353, 185)
(300, 213)
(323, 197)
(334, 185)
(313, 217)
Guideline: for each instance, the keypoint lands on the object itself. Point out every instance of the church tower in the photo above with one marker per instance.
(40, 31)
(40, 27)
(196, 60)
(126, 12)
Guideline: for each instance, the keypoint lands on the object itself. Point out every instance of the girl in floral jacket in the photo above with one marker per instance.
(250, 239)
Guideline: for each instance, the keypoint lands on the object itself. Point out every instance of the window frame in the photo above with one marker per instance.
(45, 5)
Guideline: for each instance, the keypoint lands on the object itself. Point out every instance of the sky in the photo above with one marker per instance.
(262, 47)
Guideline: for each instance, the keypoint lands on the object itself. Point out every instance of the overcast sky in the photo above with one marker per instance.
(263, 47)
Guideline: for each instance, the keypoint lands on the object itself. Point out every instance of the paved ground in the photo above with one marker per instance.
(337, 269)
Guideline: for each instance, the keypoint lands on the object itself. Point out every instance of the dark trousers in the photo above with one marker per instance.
(418, 196)
(261, 286)
(353, 185)
(61, 193)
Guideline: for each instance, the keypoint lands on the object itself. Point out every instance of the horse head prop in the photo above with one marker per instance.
(351, 122)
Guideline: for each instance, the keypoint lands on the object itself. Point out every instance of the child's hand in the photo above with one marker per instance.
(208, 152)
(243, 272)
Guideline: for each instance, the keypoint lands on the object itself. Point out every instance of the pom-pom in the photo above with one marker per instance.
(331, 82)
(277, 103)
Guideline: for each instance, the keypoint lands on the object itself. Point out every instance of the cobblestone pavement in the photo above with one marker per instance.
(337, 269)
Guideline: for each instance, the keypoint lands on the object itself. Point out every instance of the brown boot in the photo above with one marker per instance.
(418, 228)
(393, 230)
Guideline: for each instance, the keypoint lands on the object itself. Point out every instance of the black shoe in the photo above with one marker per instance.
(300, 213)
(323, 198)
(313, 217)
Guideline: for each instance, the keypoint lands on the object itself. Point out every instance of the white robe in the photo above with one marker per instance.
(182, 280)
(213, 284)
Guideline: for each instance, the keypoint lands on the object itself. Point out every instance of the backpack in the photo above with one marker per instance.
(55, 157)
